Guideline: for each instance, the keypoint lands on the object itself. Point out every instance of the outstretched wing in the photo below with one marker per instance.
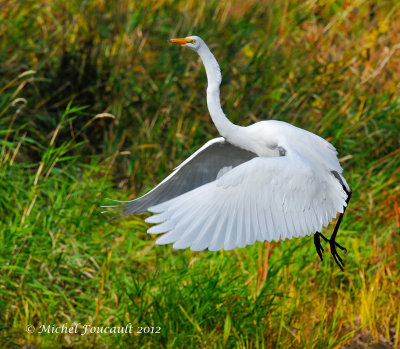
(262, 199)
(209, 162)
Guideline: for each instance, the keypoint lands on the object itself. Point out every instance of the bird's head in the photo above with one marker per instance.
(192, 42)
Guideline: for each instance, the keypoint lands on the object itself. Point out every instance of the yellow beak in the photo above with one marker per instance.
(181, 41)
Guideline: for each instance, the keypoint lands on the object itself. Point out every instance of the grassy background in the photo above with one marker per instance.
(94, 103)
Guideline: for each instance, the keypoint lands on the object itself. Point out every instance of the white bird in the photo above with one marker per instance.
(267, 181)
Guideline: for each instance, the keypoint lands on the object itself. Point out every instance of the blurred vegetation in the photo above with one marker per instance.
(94, 103)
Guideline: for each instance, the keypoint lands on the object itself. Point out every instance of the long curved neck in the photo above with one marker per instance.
(222, 123)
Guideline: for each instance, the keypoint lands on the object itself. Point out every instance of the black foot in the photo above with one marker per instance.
(333, 244)
(332, 241)
(335, 255)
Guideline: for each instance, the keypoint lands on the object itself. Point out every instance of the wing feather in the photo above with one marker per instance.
(263, 234)
(266, 211)
(230, 239)
(260, 199)
(217, 241)
(206, 234)
(241, 226)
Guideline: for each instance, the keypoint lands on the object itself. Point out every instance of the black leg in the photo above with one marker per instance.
(341, 217)
(333, 244)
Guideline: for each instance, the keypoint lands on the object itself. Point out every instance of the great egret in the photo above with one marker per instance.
(267, 181)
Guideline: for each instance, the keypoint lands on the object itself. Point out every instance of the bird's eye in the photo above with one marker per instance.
(191, 41)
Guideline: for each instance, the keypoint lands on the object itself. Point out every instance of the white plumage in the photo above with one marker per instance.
(268, 181)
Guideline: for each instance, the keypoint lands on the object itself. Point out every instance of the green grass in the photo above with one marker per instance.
(94, 103)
